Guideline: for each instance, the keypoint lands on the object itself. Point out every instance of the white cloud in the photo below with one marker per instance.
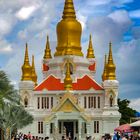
(25, 12)
(82, 19)
(22, 34)
(135, 104)
(135, 14)
(5, 47)
(108, 28)
(4, 26)
(7, 22)
(98, 2)
(121, 17)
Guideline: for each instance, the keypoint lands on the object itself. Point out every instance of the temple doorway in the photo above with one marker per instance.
(69, 126)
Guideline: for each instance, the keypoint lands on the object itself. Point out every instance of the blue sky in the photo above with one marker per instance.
(118, 21)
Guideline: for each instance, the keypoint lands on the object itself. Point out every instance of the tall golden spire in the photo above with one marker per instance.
(26, 68)
(90, 51)
(68, 80)
(69, 30)
(104, 75)
(34, 75)
(47, 54)
(111, 75)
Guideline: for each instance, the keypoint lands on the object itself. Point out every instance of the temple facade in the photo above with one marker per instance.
(69, 102)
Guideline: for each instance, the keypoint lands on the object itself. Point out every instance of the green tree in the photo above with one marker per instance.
(12, 113)
(13, 117)
(7, 91)
(126, 111)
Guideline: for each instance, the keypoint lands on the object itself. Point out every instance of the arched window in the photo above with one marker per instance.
(71, 68)
(26, 102)
(111, 100)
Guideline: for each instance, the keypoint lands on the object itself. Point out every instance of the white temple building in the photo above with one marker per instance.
(69, 102)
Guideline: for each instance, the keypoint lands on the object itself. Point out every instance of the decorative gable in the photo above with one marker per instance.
(53, 83)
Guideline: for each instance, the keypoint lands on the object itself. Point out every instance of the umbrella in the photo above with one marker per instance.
(135, 124)
(124, 128)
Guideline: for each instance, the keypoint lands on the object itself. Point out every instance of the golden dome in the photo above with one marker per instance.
(69, 32)
(26, 68)
(111, 68)
(90, 51)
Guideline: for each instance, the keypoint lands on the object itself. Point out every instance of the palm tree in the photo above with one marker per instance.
(13, 117)
(12, 114)
(7, 91)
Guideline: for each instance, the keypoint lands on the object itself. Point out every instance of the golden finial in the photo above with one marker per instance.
(104, 75)
(111, 75)
(34, 75)
(47, 54)
(68, 80)
(26, 68)
(69, 11)
(90, 51)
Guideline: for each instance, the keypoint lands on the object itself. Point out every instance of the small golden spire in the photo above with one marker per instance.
(90, 51)
(34, 75)
(26, 68)
(68, 80)
(47, 54)
(104, 75)
(111, 75)
(69, 11)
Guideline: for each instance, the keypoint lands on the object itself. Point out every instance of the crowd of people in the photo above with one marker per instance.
(117, 136)
(122, 136)
(21, 136)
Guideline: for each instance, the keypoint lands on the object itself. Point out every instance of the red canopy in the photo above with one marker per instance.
(124, 128)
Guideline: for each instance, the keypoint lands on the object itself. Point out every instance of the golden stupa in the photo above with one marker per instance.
(69, 32)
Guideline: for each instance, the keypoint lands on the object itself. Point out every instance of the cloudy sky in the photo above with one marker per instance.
(30, 21)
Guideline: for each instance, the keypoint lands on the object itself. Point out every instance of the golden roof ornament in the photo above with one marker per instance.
(68, 79)
(104, 75)
(47, 53)
(26, 68)
(90, 51)
(69, 30)
(111, 68)
(69, 11)
(34, 75)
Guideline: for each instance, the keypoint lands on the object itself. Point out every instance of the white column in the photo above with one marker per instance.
(88, 129)
(47, 130)
(80, 129)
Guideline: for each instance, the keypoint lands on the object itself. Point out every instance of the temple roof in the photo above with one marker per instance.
(52, 83)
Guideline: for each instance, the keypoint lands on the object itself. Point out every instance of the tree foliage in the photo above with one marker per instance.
(13, 117)
(126, 111)
(12, 113)
(7, 91)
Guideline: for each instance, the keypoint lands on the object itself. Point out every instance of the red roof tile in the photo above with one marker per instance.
(52, 83)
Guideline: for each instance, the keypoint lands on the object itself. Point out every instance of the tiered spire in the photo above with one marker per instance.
(90, 51)
(104, 75)
(47, 54)
(68, 79)
(34, 75)
(26, 68)
(69, 11)
(111, 75)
